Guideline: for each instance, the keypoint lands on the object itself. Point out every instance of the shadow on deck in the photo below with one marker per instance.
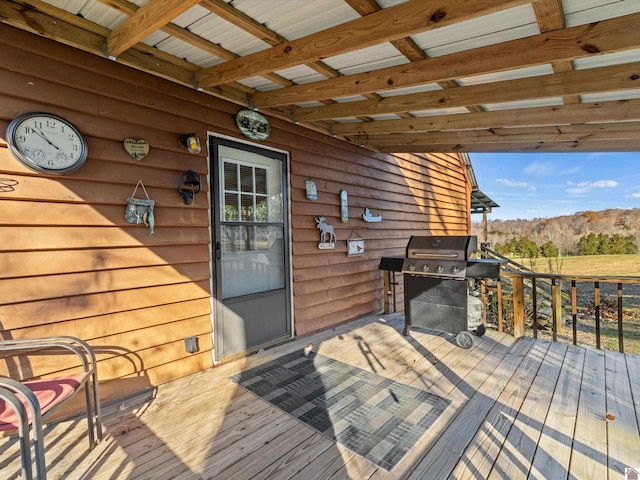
(525, 409)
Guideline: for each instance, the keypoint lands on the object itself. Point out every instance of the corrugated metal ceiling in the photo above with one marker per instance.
(290, 20)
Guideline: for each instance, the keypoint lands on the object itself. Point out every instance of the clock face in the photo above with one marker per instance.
(253, 124)
(46, 143)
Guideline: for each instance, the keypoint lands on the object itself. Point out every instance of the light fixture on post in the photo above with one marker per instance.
(191, 141)
(189, 185)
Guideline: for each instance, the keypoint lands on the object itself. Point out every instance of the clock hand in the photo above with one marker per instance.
(39, 132)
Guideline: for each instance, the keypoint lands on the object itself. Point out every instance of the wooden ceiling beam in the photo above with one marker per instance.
(550, 16)
(82, 34)
(562, 133)
(150, 17)
(564, 45)
(506, 147)
(406, 46)
(593, 80)
(185, 35)
(614, 111)
(390, 24)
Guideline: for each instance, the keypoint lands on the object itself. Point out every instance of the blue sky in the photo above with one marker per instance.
(543, 185)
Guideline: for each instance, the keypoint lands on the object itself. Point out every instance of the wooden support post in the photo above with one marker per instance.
(388, 299)
(518, 307)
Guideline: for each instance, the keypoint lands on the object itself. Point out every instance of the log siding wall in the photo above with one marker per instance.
(71, 265)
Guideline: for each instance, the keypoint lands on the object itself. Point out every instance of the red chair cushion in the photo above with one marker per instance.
(50, 392)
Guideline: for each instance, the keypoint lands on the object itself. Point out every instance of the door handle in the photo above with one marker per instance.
(218, 251)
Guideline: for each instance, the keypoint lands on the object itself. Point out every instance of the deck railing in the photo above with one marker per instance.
(525, 288)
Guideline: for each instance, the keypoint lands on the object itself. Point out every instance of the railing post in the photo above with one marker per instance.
(620, 325)
(518, 307)
(556, 304)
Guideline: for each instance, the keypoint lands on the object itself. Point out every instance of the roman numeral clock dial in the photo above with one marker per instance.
(46, 143)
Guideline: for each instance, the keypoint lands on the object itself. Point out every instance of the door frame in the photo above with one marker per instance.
(214, 227)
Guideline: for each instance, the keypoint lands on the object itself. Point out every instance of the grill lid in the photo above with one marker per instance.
(453, 247)
(442, 256)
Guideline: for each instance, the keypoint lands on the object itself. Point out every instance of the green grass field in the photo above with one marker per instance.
(610, 265)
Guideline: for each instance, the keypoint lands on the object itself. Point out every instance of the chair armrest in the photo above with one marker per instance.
(29, 398)
(79, 347)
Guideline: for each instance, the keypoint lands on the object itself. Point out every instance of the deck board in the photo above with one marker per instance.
(479, 456)
(622, 431)
(520, 409)
(553, 452)
(589, 457)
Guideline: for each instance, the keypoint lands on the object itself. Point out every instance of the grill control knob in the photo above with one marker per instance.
(412, 267)
(425, 268)
(454, 270)
(439, 269)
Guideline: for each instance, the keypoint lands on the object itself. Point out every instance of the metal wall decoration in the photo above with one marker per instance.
(355, 245)
(311, 189)
(344, 206)
(367, 217)
(138, 149)
(327, 235)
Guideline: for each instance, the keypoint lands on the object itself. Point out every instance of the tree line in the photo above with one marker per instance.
(591, 244)
(583, 233)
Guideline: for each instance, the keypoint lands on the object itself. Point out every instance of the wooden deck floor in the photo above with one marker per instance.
(526, 409)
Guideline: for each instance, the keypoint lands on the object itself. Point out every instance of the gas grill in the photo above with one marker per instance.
(436, 272)
(444, 257)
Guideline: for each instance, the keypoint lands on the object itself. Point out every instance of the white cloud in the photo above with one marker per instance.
(634, 195)
(584, 187)
(513, 183)
(540, 169)
(569, 171)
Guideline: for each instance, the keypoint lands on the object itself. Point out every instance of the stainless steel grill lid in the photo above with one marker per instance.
(444, 256)
(459, 247)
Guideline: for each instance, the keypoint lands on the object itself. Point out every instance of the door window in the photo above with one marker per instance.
(252, 229)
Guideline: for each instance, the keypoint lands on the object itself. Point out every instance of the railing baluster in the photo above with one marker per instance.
(483, 297)
(596, 303)
(574, 314)
(554, 315)
(499, 287)
(620, 335)
(534, 298)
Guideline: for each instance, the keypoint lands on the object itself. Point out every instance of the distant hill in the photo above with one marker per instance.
(563, 231)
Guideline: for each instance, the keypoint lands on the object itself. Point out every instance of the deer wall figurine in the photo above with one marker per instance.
(325, 229)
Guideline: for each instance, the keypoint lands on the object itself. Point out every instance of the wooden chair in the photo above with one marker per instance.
(30, 403)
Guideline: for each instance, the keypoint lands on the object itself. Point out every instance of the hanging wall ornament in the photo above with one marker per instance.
(355, 244)
(138, 149)
(367, 217)
(327, 235)
(140, 210)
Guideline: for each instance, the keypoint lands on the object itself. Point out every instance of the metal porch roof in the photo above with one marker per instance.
(391, 75)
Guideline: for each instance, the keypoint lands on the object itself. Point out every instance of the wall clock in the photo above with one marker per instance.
(46, 143)
(253, 124)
